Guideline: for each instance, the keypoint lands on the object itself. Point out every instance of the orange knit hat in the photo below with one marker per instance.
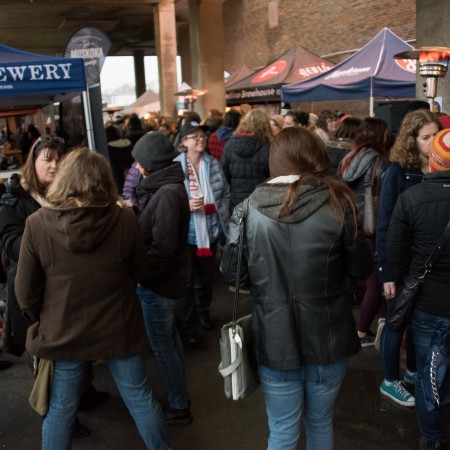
(440, 151)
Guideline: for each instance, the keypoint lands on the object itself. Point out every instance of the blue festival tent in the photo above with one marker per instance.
(32, 80)
(372, 72)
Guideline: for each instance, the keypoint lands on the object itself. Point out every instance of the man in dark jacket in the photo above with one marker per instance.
(164, 220)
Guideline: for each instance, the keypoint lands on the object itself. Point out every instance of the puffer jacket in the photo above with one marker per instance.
(297, 267)
(164, 220)
(358, 173)
(219, 186)
(245, 163)
(419, 218)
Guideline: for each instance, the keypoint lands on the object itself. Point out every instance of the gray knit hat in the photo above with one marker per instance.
(153, 151)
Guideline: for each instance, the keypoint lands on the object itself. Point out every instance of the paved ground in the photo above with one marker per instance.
(363, 420)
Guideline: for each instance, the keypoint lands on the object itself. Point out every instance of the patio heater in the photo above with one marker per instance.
(190, 96)
(433, 64)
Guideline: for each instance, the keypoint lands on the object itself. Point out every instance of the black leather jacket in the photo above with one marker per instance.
(297, 267)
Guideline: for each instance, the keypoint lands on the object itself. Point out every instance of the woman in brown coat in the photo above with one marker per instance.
(79, 262)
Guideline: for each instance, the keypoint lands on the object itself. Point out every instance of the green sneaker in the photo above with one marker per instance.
(398, 393)
(409, 377)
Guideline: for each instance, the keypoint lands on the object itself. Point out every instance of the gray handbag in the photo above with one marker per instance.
(236, 366)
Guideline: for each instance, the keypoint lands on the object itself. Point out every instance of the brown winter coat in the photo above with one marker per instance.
(76, 276)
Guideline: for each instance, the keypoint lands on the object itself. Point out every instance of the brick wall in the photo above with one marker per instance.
(321, 26)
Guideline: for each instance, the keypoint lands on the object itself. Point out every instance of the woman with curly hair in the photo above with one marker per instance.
(245, 159)
(326, 126)
(409, 156)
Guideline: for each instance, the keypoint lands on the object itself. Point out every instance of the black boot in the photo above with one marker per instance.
(5, 364)
(92, 398)
(80, 431)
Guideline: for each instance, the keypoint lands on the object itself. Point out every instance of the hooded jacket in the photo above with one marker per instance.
(76, 277)
(245, 163)
(419, 219)
(164, 219)
(358, 174)
(297, 267)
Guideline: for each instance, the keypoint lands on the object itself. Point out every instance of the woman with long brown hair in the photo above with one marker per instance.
(301, 229)
(366, 162)
(409, 156)
(80, 259)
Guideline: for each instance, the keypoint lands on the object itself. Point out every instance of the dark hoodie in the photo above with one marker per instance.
(164, 219)
(245, 162)
(76, 276)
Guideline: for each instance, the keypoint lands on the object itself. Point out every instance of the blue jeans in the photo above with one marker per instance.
(131, 379)
(390, 344)
(166, 344)
(423, 327)
(310, 391)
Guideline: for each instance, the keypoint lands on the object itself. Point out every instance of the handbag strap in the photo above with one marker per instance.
(445, 236)
(239, 260)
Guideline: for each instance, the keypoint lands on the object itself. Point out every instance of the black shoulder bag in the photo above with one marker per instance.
(401, 307)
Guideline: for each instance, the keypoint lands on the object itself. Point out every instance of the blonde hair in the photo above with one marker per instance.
(257, 123)
(84, 179)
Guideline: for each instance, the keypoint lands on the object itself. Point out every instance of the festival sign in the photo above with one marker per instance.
(265, 85)
(33, 79)
(93, 46)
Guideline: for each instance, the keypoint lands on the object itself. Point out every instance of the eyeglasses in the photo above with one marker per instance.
(332, 120)
(196, 138)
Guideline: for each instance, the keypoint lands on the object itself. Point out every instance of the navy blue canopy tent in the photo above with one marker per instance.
(372, 72)
(31, 80)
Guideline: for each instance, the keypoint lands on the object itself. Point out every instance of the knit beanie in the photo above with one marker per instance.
(153, 151)
(440, 151)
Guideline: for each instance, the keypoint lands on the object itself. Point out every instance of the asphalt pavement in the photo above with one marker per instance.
(363, 419)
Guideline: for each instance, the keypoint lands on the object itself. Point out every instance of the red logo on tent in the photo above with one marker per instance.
(270, 72)
(407, 64)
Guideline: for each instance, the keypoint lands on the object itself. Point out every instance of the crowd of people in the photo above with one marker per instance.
(153, 220)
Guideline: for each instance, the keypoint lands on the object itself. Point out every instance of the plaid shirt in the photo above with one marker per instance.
(215, 146)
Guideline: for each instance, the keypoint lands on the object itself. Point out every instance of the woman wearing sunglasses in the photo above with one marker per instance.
(24, 195)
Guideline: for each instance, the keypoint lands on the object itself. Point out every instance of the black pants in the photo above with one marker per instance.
(198, 296)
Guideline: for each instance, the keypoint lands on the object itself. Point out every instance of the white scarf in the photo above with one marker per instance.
(200, 185)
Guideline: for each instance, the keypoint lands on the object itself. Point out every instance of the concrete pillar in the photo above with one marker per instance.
(139, 72)
(184, 50)
(432, 19)
(206, 36)
(166, 50)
